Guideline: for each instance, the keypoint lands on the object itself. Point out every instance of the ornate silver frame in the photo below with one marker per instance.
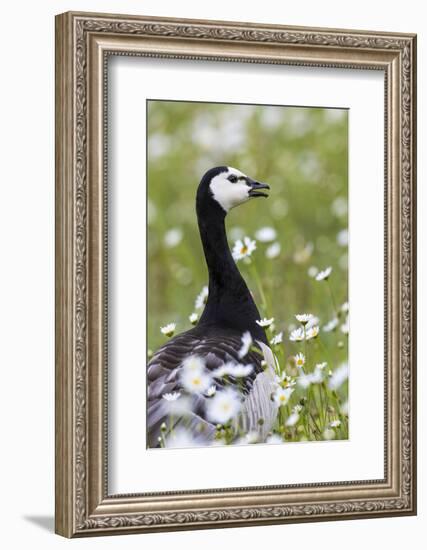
(83, 42)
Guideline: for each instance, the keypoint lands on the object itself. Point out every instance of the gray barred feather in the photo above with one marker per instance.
(216, 348)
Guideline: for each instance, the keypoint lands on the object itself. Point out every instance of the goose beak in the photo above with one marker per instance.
(255, 187)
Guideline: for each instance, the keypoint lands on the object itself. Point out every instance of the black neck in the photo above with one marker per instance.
(230, 304)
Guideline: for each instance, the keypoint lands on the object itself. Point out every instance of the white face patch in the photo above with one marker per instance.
(228, 193)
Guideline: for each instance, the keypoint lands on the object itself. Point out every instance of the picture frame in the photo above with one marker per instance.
(84, 42)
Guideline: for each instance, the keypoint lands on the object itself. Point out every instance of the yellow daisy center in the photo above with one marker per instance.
(244, 249)
(196, 381)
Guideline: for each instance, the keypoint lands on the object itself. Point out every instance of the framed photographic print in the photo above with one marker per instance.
(235, 274)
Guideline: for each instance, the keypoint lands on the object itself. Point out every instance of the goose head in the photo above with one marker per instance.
(228, 187)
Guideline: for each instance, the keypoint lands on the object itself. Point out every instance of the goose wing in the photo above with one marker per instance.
(216, 348)
(258, 403)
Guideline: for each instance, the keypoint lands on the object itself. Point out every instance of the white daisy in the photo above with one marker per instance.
(331, 325)
(180, 438)
(240, 371)
(335, 423)
(345, 307)
(232, 369)
(304, 381)
(243, 248)
(328, 434)
(312, 271)
(297, 335)
(193, 363)
(249, 438)
(299, 360)
(171, 396)
(303, 318)
(312, 332)
(273, 251)
(321, 366)
(316, 377)
(277, 339)
(211, 391)
(292, 419)
(179, 406)
(265, 322)
(168, 330)
(252, 437)
(173, 237)
(221, 371)
(280, 378)
(266, 234)
(284, 380)
(223, 406)
(338, 377)
(345, 327)
(195, 381)
(202, 298)
(246, 344)
(324, 275)
(342, 237)
(312, 322)
(281, 395)
(193, 318)
(274, 439)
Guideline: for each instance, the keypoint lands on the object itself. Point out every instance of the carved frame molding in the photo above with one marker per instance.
(83, 43)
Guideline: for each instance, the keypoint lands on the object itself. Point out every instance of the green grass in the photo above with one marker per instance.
(302, 153)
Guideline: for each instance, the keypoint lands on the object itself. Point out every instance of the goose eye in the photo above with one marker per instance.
(232, 178)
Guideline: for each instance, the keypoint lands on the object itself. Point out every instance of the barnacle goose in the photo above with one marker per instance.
(230, 312)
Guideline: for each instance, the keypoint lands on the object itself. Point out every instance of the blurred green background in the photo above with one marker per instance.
(301, 152)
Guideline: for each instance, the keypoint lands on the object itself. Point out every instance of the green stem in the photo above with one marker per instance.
(326, 403)
(326, 352)
(305, 346)
(260, 288)
(316, 427)
(322, 404)
(312, 400)
(334, 306)
(305, 423)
